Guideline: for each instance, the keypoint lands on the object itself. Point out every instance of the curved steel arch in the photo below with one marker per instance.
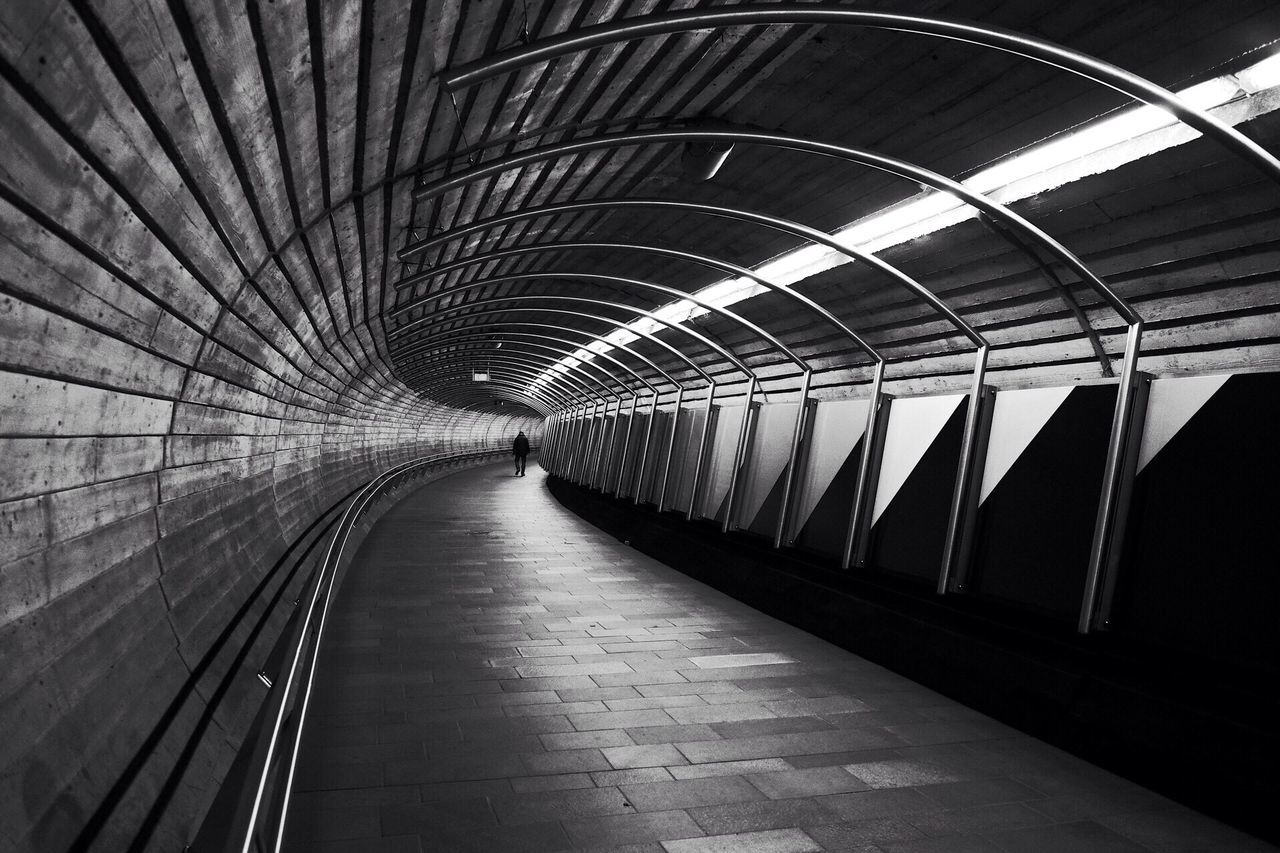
(595, 278)
(518, 347)
(891, 165)
(563, 352)
(571, 347)
(705, 260)
(862, 485)
(997, 38)
(439, 317)
(516, 392)
(806, 370)
(559, 397)
(752, 379)
(786, 226)
(593, 336)
(1103, 551)
(531, 368)
(533, 363)
(474, 332)
(965, 467)
(618, 324)
(516, 396)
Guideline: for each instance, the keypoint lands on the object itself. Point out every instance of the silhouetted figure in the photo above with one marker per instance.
(521, 449)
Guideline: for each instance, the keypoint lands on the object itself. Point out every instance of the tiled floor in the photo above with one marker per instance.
(501, 676)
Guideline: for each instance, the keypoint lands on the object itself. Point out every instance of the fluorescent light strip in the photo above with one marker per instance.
(1097, 147)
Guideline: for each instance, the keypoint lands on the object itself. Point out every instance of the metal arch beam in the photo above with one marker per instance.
(618, 324)
(439, 317)
(513, 366)
(776, 223)
(568, 350)
(694, 257)
(519, 347)
(862, 486)
(806, 370)
(752, 379)
(466, 333)
(539, 408)
(529, 338)
(481, 357)
(965, 473)
(997, 38)
(571, 391)
(595, 278)
(549, 327)
(854, 551)
(880, 162)
(520, 396)
(554, 398)
(507, 391)
(478, 357)
(1103, 551)
(508, 378)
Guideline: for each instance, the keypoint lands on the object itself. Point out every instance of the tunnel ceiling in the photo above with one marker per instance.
(286, 140)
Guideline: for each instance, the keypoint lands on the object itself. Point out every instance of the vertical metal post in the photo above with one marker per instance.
(626, 445)
(737, 456)
(671, 447)
(1104, 552)
(613, 443)
(637, 482)
(575, 440)
(963, 491)
(790, 476)
(548, 443)
(588, 441)
(606, 428)
(592, 435)
(702, 451)
(860, 512)
(562, 438)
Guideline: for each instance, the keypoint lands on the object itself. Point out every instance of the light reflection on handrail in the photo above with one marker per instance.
(309, 635)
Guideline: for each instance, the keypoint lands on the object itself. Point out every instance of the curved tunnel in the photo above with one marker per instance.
(253, 255)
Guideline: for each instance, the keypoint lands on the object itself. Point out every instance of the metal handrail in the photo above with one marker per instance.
(268, 814)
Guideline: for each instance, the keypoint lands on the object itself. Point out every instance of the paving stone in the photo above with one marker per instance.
(768, 841)
(544, 687)
(559, 805)
(655, 755)
(604, 778)
(619, 720)
(584, 740)
(730, 768)
(806, 783)
(605, 832)
(690, 793)
(673, 734)
(763, 814)
(900, 773)
(565, 761)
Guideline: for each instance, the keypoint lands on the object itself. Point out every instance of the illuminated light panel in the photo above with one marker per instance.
(1091, 149)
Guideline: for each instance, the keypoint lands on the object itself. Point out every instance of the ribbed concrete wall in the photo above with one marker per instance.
(182, 413)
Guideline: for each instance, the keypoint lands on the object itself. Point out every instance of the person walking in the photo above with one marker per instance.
(521, 449)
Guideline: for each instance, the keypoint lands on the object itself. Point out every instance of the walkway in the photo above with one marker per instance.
(501, 676)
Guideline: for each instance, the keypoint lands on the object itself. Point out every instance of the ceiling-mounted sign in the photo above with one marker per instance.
(478, 376)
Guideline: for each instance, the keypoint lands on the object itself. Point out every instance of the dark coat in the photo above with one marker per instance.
(521, 446)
